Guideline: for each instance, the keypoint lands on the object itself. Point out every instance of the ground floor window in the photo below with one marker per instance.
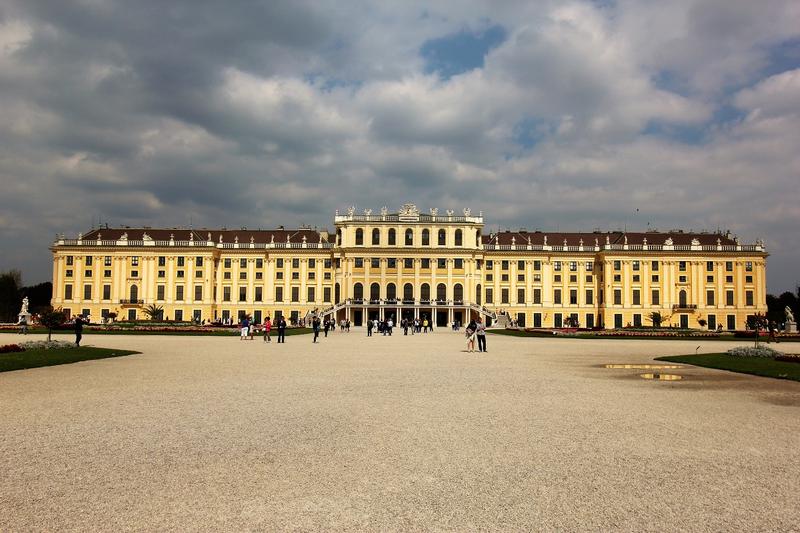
(590, 320)
(241, 315)
(617, 320)
(226, 315)
(257, 317)
(179, 315)
(131, 314)
(684, 321)
(731, 319)
(197, 315)
(637, 320)
(537, 320)
(712, 322)
(521, 320)
(557, 320)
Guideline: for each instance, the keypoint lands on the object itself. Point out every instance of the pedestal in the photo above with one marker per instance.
(791, 327)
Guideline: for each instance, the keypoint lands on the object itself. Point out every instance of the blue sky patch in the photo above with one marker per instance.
(460, 52)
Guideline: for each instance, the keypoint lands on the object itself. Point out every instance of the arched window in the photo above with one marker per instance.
(391, 291)
(338, 237)
(408, 292)
(478, 238)
(458, 293)
(337, 292)
(392, 237)
(426, 237)
(682, 298)
(425, 292)
(358, 291)
(441, 292)
(134, 293)
(459, 239)
(374, 292)
(409, 237)
(442, 237)
(478, 296)
(359, 237)
(376, 236)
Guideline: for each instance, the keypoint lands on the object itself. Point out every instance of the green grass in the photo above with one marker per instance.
(756, 366)
(55, 356)
(210, 333)
(586, 335)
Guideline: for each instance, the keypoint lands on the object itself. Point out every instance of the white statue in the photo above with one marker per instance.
(24, 310)
(449, 212)
(787, 310)
(351, 210)
(384, 211)
(434, 211)
(368, 212)
(409, 210)
(467, 211)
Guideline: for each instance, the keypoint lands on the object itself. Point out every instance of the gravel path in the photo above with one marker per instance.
(394, 433)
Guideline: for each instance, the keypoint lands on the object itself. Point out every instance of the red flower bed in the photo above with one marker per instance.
(11, 348)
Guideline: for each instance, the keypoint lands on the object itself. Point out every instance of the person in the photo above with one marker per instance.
(480, 331)
(470, 333)
(424, 325)
(245, 328)
(23, 325)
(326, 327)
(78, 330)
(281, 330)
(315, 328)
(267, 327)
(404, 324)
(369, 328)
(772, 327)
(389, 326)
(347, 326)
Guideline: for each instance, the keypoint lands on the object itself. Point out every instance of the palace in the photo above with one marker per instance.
(413, 264)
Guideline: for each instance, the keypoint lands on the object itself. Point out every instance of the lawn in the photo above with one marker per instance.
(622, 335)
(222, 332)
(757, 366)
(55, 356)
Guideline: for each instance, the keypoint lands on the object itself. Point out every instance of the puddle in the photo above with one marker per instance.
(645, 367)
(661, 377)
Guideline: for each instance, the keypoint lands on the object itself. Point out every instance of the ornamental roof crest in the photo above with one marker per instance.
(409, 210)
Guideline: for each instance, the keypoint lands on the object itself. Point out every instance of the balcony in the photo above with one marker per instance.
(684, 308)
(131, 302)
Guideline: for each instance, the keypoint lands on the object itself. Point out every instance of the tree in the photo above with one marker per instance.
(655, 318)
(52, 318)
(153, 311)
(9, 295)
(757, 322)
(39, 296)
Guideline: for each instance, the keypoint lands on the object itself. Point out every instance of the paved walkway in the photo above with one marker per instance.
(400, 433)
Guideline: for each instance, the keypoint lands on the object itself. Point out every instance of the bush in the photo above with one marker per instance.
(46, 345)
(11, 348)
(751, 351)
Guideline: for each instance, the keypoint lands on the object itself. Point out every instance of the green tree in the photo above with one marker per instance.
(655, 318)
(52, 318)
(10, 300)
(153, 311)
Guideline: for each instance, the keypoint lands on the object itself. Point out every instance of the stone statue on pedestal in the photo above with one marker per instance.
(24, 317)
(791, 325)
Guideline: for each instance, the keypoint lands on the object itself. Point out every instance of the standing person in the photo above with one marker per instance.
(326, 327)
(425, 325)
(390, 325)
(481, 333)
(281, 330)
(78, 330)
(772, 327)
(245, 328)
(405, 326)
(470, 333)
(347, 326)
(267, 327)
(315, 328)
(23, 325)
(369, 328)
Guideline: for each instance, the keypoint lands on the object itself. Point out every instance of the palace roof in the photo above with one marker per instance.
(614, 237)
(226, 235)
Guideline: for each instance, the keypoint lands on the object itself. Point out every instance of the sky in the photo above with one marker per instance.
(569, 116)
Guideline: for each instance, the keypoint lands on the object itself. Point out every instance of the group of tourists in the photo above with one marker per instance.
(476, 329)
(249, 329)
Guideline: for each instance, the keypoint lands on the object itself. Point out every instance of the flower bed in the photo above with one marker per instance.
(753, 351)
(47, 345)
(11, 348)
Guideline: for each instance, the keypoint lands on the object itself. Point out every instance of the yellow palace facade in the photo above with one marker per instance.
(410, 264)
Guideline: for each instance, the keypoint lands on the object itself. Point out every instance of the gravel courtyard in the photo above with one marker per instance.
(394, 433)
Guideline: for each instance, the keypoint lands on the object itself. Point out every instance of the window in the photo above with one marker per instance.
(295, 275)
(325, 275)
(359, 237)
(135, 261)
(198, 293)
(573, 296)
(557, 278)
(134, 273)
(259, 275)
(326, 294)
(682, 266)
(181, 261)
(489, 265)
(637, 299)
(87, 273)
(458, 293)
(617, 265)
(278, 262)
(442, 237)
(107, 261)
(295, 263)
(426, 237)
(520, 265)
(375, 262)
(458, 264)
(106, 292)
(226, 294)
(441, 292)
(68, 273)
(748, 266)
(69, 260)
(729, 298)
(636, 278)
(654, 278)
(259, 263)
(655, 297)
(748, 297)
(537, 265)
(728, 266)
(160, 292)
(617, 296)
(359, 262)
(710, 298)
(573, 266)
(748, 279)
(179, 315)
(573, 279)
(162, 261)
(198, 261)
(278, 294)
(617, 320)
(709, 266)
(376, 237)
(409, 237)
(68, 291)
(391, 263)
(88, 261)
(504, 265)
(728, 279)
(709, 279)
(106, 273)
(637, 320)
(712, 322)
(426, 263)
(393, 237)
(425, 292)
(87, 292)
(521, 277)
(617, 278)
(408, 292)
(295, 294)
(278, 275)
(589, 297)
(589, 266)
(180, 273)
(504, 296)
(227, 262)
(312, 294)
(557, 265)
(489, 295)
(731, 322)
(635, 265)
(441, 263)
(489, 277)
(654, 266)
(558, 320)
(459, 238)
(520, 296)
(179, 293)
(589, 278)
(557, 296)
(681, 279)
(537, 296)
(408, 263)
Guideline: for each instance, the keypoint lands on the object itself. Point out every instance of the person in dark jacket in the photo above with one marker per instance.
(282, 330)
(78, 329)
(315, 327)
